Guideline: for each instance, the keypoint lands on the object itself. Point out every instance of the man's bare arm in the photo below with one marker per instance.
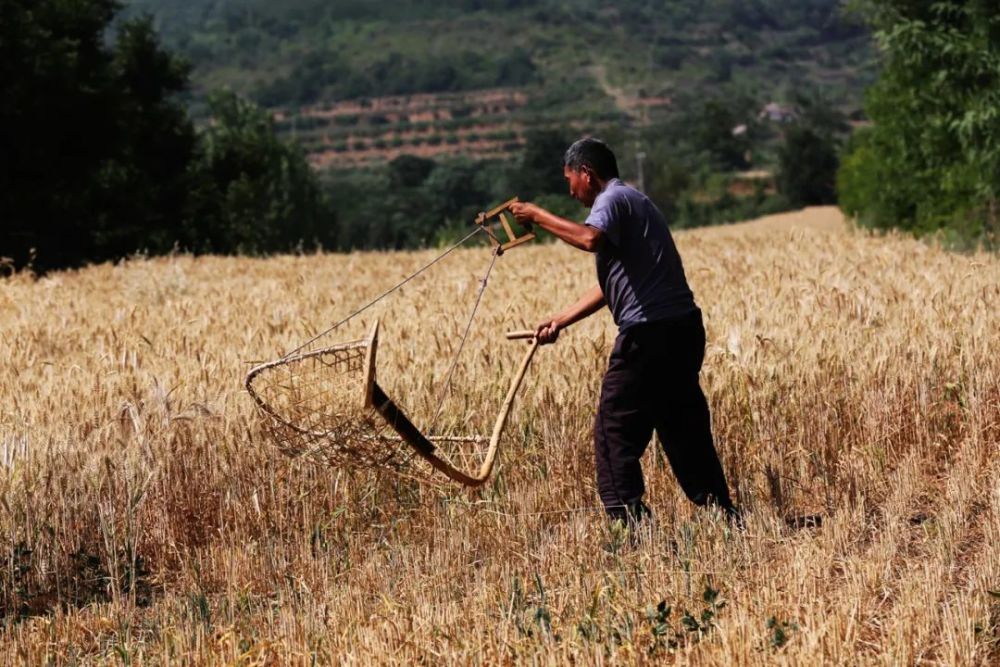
(579, 236)
(591, 301)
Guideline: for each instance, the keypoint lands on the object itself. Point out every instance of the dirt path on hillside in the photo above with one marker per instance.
(617, 94)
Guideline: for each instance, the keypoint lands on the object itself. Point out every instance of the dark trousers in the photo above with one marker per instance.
(652, 383)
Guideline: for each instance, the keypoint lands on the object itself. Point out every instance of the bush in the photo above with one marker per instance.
(254, 193)
(808, 162)
(96, 149)
(930, 161)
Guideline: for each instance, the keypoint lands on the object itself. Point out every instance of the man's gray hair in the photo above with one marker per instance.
(592, 153)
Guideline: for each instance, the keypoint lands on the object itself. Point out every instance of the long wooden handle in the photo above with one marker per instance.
(520, 335)
(498, 427)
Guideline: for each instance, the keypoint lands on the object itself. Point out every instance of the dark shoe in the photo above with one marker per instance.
(631, 514)
(734, 518)
(628, 524)
(638, 512)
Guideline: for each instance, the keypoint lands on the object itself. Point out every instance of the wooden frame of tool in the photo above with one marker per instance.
(498, 214)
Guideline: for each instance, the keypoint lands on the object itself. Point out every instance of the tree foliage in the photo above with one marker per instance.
(256, 192)
(329, 74)
(94, 147)
(301, 52)
(808, 158)
(934, 147)
(101, 160)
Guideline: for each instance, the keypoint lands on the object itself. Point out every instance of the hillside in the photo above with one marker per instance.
(333, 69)
(149, 519)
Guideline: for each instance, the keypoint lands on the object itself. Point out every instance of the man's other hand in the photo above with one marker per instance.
(547, 332)
(525, 213)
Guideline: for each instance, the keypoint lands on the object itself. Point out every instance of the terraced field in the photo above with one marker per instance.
(354, 133)
(482, 124)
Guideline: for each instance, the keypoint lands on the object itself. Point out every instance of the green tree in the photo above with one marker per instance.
(934, 147)
(410, 171)
(712, 127)
(255, 193)
(668, 180)
(808, 158)
(539, 168)
(100, 159)
(148, 179)
(807, 167)
(94, 146)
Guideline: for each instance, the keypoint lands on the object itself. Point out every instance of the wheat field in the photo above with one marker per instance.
(146, 518)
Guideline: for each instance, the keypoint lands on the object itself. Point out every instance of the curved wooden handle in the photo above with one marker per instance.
(520, 335)
(491, 453)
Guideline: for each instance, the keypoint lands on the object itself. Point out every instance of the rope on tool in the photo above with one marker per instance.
(386, 293)
(465, 335)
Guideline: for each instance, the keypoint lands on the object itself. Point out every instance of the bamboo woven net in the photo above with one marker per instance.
(314, 405)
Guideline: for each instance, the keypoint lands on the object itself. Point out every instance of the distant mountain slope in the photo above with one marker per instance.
(306, 51)
(358, 81)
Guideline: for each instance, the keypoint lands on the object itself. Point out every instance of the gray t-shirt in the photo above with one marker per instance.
(638, 266)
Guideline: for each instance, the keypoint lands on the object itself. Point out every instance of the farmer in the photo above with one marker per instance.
(652, 377)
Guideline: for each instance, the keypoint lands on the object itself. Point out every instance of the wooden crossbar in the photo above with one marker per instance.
(497, 214)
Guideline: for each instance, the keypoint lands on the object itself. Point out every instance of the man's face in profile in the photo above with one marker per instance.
(583, 187)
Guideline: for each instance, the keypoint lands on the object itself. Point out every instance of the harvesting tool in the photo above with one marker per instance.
(327, 404)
